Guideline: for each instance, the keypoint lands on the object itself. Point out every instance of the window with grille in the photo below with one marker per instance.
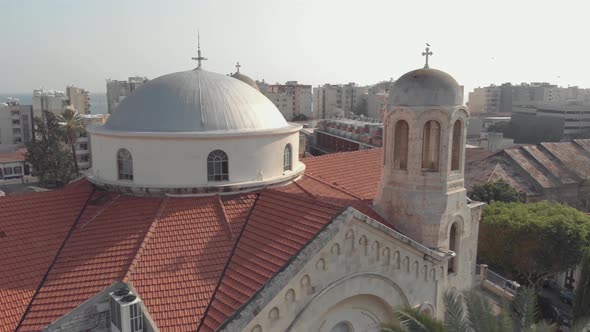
(431, 147)
(400, 145)
(456, 151)
(217, 166)
(125, 165)
(288, 158)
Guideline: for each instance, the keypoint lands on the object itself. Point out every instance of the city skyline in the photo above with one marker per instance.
(66, 42)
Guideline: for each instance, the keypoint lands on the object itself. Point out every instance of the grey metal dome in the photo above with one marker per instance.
(426, 87)
(245, 79)
(195, 101)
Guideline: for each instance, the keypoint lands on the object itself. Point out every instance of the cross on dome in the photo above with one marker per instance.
(199, 58)
(238, 66)
(426, 54)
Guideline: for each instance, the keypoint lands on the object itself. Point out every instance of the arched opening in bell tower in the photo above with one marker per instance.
(400, 145)
(456, 146)
(431, 146)
(454, 246)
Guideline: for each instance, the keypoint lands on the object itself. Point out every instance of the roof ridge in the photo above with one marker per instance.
(298, 185)
(146, 238)
(338, 187)
(224, 222)
(59, 250)
(227, 262)
(100, 211)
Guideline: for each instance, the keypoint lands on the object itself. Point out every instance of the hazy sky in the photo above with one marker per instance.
(54, 43)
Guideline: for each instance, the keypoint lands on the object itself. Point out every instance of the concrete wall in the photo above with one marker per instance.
(359, 273)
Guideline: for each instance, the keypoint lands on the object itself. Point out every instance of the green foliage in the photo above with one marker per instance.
(412, 320)
(51, 161)
(300, 117)
(499, 191)
(71, 125)
(499, 127)
(582, 298)
(476, 314)
(362, 107)
(533, 239)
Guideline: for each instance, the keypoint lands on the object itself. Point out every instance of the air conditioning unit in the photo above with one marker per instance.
(126, 315)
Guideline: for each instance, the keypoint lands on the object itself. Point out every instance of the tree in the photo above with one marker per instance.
(499, 191)
(46, 153)
(362, 107)
(476, 315)
(533, 240)
(71, 126)
(582, 298)
(300, 117)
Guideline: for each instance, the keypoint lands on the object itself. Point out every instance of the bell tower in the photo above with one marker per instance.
(421, 189)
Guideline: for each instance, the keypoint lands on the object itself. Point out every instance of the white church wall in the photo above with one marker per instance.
(357, 274)
(175, 162)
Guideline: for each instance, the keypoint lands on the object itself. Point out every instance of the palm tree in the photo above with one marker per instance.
(71, 125)
(475, 314)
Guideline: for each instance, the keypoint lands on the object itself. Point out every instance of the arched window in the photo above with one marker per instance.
(217, 166)
(288, 158)
(431, 146)
(454, 246)
(400, 145)
(124, 165)
(456, 150)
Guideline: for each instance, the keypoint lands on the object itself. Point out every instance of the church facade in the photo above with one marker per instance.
(199, 215)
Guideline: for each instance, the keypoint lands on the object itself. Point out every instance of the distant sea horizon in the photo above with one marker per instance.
(98, 101)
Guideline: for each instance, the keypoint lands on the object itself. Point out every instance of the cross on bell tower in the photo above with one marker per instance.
(238, 66)
(426, 54)
(199, 58)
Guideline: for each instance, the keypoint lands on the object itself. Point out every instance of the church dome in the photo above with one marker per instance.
(195, 101)
(426, 87)
(245, 79)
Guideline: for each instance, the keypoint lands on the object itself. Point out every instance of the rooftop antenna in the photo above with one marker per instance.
(199, 58)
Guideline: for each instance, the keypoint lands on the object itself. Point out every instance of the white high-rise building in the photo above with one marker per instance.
(48, 100)
(16, 124)
(334, 100)
(292, 99)
(118, 90)
(79, 99)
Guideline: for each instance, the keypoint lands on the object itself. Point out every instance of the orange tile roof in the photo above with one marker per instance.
(357, 172)
(280, 226)
(10, 157)
(172, 250)
(32, 229)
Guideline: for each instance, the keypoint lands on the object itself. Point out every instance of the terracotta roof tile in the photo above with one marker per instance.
(279, 220)
(357, 172)
(33, 228)
(173, 250)
(97, 255)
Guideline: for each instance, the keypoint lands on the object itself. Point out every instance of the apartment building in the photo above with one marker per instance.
(118, 90)
(16, 124)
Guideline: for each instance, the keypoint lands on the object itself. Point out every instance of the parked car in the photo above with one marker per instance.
(567, 296)
(511, 286)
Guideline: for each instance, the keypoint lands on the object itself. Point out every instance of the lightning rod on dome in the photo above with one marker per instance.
(238, 66)
(199, 58)
(426, 54)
